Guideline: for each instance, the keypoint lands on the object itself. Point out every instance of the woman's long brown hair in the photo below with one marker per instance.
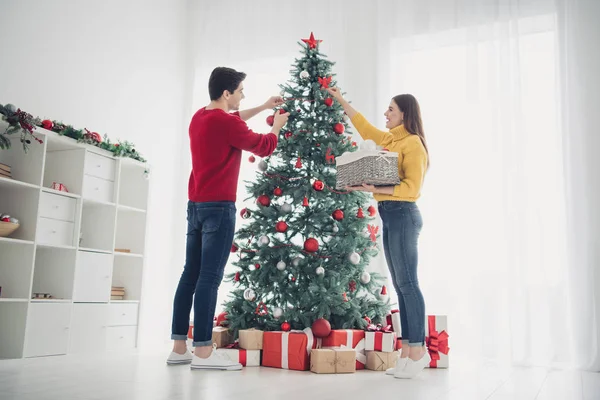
(412, 117)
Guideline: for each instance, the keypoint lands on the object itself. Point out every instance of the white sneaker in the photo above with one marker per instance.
(400, 364)
(216, 360)
(175, 358)
(413, 368)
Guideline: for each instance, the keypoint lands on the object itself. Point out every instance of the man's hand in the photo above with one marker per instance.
(273, 102)
(280, 120)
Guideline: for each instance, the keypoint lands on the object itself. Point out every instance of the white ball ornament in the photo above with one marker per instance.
(320, 271)
(281, 266)
(249, 294)
(365, 278)
(336, 229)
(277, 312)
(264, 241)
(304, 74)
(354, 258)
(286, 208)
(296, 261)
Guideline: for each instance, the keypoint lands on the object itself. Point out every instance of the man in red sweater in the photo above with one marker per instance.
(217, 138)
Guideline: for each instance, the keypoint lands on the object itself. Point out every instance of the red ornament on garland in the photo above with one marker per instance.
(222, 319)
(338, 215)
(47, 124)
(321, 328)
(252, 159)
(261, 309)
(311, 245)
(305, 202)
(372, 211)
(256, 266)
(318, 186)
(237, 277)
(328, 102)
(277, 192)
(270, 120)
(288, 135)
(312, 42)
(264, 200)
(281, 226)
(299, 163)
(360, 213)
(234, 248)
(245, 213)
(286, 327)
(339, 128)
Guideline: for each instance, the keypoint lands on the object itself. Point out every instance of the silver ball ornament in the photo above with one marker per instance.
(264, 241)
(365, 278)
(249, 294)
(354, 258)
(296, 261)
(286, 208)
(320, 271)
(262, 165)
(304, 74)
(277, 312)
(281, 266)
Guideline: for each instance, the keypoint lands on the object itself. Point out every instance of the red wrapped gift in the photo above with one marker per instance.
(59, 186)
(350, 338)
(436, 340)
(379, 338)
(393, 319)
(288, 350)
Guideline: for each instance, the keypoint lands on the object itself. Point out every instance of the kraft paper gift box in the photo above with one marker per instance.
(221, 336)
(380, 361)
(248, 358)
(349, 338)
(333, 361)
(436, 340)
(380, 341)
(288, 350)
(251, 339)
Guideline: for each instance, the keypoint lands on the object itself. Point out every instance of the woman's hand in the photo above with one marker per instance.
(336, 93)
(363, 188)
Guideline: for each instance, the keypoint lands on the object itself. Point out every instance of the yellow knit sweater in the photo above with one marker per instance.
(412, 157)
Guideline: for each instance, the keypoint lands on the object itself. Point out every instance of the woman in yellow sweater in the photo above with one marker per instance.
(401, 218)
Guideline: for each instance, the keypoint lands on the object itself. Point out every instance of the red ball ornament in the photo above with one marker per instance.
(372, 211)
(264, 200)
(338, 215)
(270, 120)
(321, 328)
(47, 124)
(282, 111)
(234, 248)
(245, 213)
(338, 128)
(257, 266)
(311, 245)
(277, 192)
(293, 279)
(281, 226)
(318, 186)
(251, 159)
(360, 213)
(286, 327)
(328, 102)
(237, 277)
(288, 135)
(222, 319)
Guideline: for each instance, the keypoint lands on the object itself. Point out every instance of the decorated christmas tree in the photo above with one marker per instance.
(304, 251)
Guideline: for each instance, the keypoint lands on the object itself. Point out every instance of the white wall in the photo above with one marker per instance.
(115, 67)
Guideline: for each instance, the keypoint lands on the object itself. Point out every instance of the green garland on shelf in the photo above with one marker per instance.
(23, 123)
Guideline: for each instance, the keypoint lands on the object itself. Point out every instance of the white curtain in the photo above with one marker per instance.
(507, 90)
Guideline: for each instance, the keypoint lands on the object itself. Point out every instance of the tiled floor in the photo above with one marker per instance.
(145, 376)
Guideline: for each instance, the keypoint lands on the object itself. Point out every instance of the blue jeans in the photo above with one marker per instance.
(210, 231)
(402, 224)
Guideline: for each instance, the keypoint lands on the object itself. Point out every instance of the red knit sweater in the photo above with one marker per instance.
(217, 139)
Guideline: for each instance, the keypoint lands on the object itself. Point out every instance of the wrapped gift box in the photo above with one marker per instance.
(436, 340)
(251, 339)
(288, 350)
(380, 341)
(248, 358)
(221, 336)
(333, 361)
(349, 338)
(380, 361)
(393, 319)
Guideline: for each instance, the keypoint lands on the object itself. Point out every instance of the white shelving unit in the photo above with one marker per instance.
(65, 246)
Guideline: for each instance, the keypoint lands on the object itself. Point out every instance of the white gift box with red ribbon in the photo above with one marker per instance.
(380, 341)
(248, 358)
(436, 340)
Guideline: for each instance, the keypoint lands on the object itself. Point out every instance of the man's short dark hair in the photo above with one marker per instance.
(223, 78)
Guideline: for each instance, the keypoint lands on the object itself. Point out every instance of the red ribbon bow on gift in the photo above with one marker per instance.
(437, 342)
(234, 345)
(379, 328)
